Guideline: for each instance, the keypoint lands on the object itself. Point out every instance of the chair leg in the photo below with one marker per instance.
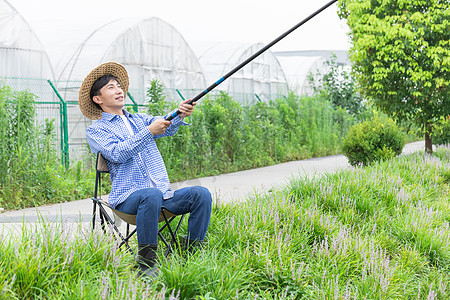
(161, 238)
(179, 223)
(93, 215)
(173, 233)
(109, 221)
(102, 219)
(105, 220)
(174, 239)
(168, 224)
(126, 239)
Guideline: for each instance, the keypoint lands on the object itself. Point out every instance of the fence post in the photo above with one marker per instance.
(135, 105)
(179, 93)
(64, 134)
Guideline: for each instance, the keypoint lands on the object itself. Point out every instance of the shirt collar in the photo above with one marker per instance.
(109, 117)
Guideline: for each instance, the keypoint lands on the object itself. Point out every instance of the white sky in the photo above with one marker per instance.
(249, 21)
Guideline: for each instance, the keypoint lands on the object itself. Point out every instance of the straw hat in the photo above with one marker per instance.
(87, 106)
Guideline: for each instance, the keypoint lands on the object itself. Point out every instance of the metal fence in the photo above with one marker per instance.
(58, 101)
(49, 106)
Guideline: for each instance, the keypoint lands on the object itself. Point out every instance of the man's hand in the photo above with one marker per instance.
(186, 109)
(159, 126)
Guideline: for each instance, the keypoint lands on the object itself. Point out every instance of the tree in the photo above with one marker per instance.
(401, 57)
(339, 86)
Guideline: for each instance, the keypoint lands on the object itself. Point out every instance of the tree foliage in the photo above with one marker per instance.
(340, 87)
(401, 56)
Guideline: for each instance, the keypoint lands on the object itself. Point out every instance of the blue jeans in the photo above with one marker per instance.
(146, 205)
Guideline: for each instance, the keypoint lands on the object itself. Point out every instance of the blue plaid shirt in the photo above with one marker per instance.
(134, 161)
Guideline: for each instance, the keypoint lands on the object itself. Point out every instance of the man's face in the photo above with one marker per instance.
(111, 97)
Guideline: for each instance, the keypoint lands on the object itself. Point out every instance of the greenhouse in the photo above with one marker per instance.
(21, 53)
(298, 70)
(261, 80)
(25, 65)
(149, 49)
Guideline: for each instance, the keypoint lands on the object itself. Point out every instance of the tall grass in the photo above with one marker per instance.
(370, 233)
(225, 137)
(31, 173)
(51, 264)
(380, 232)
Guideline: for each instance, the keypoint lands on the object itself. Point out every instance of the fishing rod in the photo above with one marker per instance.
(215, 84)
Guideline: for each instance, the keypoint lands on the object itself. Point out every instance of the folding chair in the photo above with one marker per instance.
(165, 215)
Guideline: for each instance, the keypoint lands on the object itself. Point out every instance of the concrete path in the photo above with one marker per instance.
(225, 188)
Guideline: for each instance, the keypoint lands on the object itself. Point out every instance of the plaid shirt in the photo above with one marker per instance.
(134, 161)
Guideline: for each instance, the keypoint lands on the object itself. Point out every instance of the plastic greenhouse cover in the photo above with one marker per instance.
(149, 49)
(297, 69)
(263, 76)
(21, 52)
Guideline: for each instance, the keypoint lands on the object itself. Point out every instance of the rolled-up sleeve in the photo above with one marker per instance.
(112, 148)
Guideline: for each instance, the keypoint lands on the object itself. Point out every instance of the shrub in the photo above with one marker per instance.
(372, 140)
(226, 137)
(31, 173)
(441, 131)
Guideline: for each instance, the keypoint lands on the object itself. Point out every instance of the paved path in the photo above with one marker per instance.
(225, 188)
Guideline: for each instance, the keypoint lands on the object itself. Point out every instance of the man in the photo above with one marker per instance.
(140, 184)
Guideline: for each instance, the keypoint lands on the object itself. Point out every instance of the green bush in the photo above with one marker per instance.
(226, 137)
(372, 140)
(441, 132)
(31, 173)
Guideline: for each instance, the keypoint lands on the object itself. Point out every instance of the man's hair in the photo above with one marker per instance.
(98, 84)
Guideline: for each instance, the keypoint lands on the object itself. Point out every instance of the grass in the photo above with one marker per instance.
(379, 232)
